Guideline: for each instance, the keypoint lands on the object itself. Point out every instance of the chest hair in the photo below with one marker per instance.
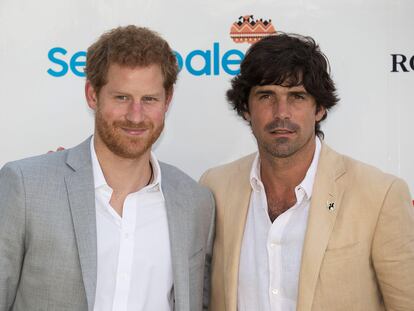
(278, 203)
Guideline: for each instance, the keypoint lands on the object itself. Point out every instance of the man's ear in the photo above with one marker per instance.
(320, 112)
(169, 95)
(246, 115)
(91, 96)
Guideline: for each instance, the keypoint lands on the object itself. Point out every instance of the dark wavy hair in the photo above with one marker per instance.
(287, 60)
(130, 46)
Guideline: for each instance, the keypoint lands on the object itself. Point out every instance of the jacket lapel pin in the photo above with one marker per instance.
(330, 205)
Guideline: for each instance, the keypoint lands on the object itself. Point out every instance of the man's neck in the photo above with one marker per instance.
(123, 175)
(286, 173)
(280, 176)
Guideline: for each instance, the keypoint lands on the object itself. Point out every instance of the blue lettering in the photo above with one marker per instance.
(216, 53)
(75, 63)
(179, 60)
(206, 56)
(52, 57)
(227, 61)
(197, 62)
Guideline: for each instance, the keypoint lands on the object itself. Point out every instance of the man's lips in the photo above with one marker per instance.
(134, 131)
(282, 132)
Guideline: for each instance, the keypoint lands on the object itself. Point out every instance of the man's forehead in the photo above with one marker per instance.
(132, 66)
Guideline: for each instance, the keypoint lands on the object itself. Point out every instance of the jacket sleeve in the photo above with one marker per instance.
(393, 248)
(12, 233)
(209, 255)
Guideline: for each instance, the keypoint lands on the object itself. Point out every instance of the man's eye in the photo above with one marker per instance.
(298, 96)
(265, 97)
(121, 97)
(149, 99)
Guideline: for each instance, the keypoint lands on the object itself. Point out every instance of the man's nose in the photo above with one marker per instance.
(135, 111)
(281, 108)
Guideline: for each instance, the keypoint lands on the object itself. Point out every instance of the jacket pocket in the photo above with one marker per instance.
(342, 253)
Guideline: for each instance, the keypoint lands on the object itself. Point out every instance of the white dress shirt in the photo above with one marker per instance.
(134, 269)
(271, 252)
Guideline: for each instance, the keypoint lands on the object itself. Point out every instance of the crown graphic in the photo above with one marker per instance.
(249, 30)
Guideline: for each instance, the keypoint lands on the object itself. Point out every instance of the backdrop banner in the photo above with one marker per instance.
(369, 45)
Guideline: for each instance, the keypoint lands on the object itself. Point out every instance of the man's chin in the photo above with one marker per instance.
(279, 150)
(130, 153)
(128, 148)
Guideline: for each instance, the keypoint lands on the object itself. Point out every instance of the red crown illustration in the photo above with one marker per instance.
(249, 30)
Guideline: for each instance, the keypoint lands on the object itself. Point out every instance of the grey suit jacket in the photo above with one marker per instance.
(48, 234)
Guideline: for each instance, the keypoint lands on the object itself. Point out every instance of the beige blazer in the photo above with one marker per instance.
(358, 255)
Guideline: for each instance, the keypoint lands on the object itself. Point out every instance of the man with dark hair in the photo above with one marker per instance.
(105, 225)
(299, 226)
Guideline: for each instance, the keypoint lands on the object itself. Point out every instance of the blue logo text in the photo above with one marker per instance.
(196, 62)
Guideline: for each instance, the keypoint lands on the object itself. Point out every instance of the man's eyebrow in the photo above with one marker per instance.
(263, 92)
(149, 94)
(117, 92)
(299, 88)
(299, 92)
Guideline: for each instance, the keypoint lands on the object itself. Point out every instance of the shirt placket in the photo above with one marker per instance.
(275, 248)
(262, 226)
(125, 257)
(274, 253)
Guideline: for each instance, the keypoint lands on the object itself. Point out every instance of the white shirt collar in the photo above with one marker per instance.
(306, 184)
(99, 178)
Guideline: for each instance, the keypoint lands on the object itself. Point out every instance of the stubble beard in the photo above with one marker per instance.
(282, 147)
(122, 145)
(279, 148)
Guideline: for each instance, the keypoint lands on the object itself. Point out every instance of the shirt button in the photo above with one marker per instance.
(275, 291)
(124, 277)
(273, 244)
(126, 235)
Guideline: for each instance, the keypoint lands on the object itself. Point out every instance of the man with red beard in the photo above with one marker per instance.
(106, 226)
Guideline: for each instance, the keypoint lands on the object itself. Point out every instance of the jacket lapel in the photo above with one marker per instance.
(175, 202)
(235, 215)
(81, 194)
(325, 204)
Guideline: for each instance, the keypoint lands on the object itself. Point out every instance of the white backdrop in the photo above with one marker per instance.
(40, 111)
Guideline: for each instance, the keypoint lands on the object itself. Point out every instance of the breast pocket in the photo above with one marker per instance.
(342, 253)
